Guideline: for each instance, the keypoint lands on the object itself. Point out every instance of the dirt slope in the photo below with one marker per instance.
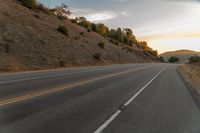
(29, 40)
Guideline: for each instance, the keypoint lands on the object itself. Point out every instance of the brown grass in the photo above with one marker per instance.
(191, 72)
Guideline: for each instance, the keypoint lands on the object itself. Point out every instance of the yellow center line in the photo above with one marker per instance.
(49, 91)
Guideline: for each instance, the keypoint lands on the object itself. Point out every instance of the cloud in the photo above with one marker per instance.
(94, 15)
(124, 13)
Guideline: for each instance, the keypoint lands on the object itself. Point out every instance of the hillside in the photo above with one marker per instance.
(29, 40)
(183, 55)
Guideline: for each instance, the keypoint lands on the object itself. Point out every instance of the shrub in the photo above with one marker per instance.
(73, 21)
(101, 44)
(36, 16)
(31, 4)
(88, 30)
(81, 33)
(63, 30)
(61, 63)
(7, 48)
(161, 59)
(194, 59)
(97, 56)
(173, 59)
(76, 38)
(116, 43)
(44, 9)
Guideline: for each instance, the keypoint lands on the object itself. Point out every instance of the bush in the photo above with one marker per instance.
(101, 44)
(88, 30)
(97, 56)
(76, 38)
(63, 30)
(7, 48)
(44, 9)
(194, 59)
(117, 43)
(61, 63)
(173, 59)
(81, 33)
(73, 21)
(161, 59)
(31, 4)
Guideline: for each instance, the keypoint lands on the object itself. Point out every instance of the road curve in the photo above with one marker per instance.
(139, 98)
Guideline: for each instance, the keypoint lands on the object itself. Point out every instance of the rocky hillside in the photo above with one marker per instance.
(29, 40)
(183, 55)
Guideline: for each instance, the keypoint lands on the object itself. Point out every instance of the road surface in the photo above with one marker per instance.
(132, 98)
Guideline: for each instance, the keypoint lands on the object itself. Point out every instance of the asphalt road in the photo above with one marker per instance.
(132, 98)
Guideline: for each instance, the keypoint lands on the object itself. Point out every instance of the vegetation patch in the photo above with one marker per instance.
(173, 59)
(81, 33)
(31, 4)
(161, 59)
(63, 30)
(61, 63)
(194, 59)
(97, 56)
(101, 44)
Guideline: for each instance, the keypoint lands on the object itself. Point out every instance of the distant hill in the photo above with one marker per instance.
(183, 55)
(30, 40)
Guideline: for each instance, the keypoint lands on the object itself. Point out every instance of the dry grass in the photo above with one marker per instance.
(191, 72)
(35, 43)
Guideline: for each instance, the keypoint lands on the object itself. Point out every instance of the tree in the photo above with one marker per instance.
(93, 27)
(31, 4)
(128, 32)
(62, 11)
(82, 21)
(102, 29)
(173, 59)
(144, 45)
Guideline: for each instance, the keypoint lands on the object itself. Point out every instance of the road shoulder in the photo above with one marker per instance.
(192, 88)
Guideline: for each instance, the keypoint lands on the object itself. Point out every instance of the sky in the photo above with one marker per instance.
(166, 25)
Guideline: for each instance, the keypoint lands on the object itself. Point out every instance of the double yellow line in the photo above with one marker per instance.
(49, 91)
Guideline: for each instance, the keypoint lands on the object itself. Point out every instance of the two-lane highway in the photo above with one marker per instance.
(139, 98)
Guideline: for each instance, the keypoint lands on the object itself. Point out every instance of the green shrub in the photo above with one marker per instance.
(194, 59)
(73, 21)
(173, 59)
(101, 44)
(161, 59)
(63, 30)
(31, 4)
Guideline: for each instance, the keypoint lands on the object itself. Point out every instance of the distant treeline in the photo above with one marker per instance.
(118, 35)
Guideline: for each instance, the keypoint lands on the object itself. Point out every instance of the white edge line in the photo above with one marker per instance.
(107, 122)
